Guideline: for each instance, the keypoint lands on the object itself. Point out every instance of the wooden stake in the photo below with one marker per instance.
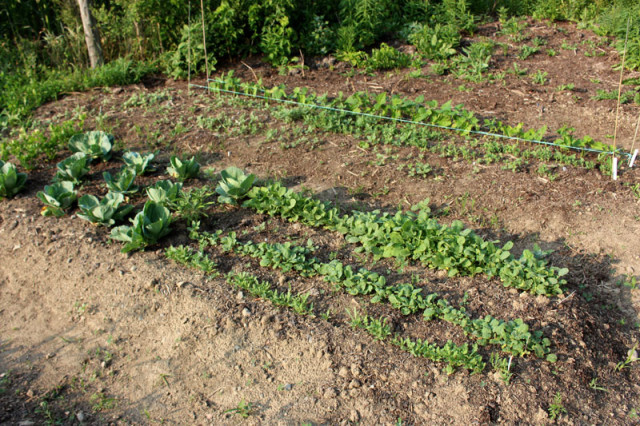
(189, 52)
(204, 43)
(633, 144)
(255, 77)
(624, 55)
(160, 37)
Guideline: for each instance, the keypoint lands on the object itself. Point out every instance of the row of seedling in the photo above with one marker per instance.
(415, 236)
(513, 337)
(398, 107)
(453, 355)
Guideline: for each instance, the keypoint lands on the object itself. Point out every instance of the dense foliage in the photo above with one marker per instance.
(42, 50)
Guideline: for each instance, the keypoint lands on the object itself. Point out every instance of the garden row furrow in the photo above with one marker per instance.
(446, 116)
(513, 337)
(409, 236)
(455, 356)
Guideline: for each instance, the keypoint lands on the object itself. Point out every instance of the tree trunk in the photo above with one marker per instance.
(91, 35)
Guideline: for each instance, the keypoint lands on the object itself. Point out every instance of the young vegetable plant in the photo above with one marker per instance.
(103, 212)
(57, 197)
(234, 185)
(138, 162)
(192, 204)
(73, 168)
(164, 192)
(96, 144)
(122, 182)
(183, 169)
(11, 182)
(149, 225)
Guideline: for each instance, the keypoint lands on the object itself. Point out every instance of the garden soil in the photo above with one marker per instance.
(89, 335)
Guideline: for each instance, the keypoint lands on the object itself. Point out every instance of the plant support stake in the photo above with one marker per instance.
(189, 52)
(633, 158)
(633, 144)
(204, 43)
(615, 129)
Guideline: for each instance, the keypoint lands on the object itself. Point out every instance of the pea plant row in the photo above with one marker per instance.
(453, 355)
(408, 236)
(445, 116)
(513, 337)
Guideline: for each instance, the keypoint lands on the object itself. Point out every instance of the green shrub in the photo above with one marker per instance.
(29, 147)
(437, 42)
(387, 58)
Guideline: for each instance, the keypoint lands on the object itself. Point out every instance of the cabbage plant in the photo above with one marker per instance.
(96, 144)
(103, 212)
(11, 181)
(183, 169)
(164, 192)
(122, 182)
(57, 197)
(148, 226)
(138, 162)
(73, 168)
(234, 184)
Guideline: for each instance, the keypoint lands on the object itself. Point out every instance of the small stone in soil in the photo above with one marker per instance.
(246, 312)
(330, 393)
(343, 372)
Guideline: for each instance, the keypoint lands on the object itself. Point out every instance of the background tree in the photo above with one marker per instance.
(91, 34)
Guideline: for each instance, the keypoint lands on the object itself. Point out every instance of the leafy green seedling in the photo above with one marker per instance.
(632, 356)
(164, 192)
(103, 212)
(96, 144)
(234, 185)
(122, 182)
(11, 182)
(192, 204)
(73, 168)
(138, 162)
(556, 409)
(183, 169)
(243, 409)
(149, 225)
(57, 197)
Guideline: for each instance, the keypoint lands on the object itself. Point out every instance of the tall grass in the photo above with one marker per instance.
(21, 93)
